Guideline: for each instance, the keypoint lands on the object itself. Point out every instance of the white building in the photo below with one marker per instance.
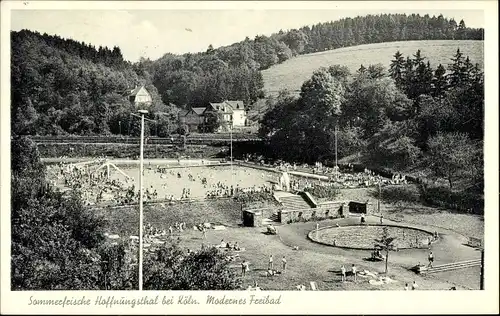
(140, 96)
(233, 113)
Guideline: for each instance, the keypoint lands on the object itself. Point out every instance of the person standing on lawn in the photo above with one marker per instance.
(284, 263)
(343, 271)
(204, 231)
(244, 267)
(354, 272)
(414, 286)
(270, 265)
(431, 259)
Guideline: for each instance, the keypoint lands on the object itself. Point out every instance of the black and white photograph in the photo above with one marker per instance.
(246, 150)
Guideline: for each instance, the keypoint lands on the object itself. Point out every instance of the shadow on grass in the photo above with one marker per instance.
(331, 281)
(268, 233)
(373, 260)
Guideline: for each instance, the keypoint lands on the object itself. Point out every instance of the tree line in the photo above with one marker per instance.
(410, 116)
(195, 80)
(55, 91)
(381, 28)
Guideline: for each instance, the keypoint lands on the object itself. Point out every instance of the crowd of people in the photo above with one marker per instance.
(346, 177)
(97, 187)
(92, 182)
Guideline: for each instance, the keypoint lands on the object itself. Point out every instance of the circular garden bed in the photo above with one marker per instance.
(363, 236)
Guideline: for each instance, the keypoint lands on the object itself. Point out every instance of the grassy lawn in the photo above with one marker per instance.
(293, 72)
(125, 221)
(312, 262)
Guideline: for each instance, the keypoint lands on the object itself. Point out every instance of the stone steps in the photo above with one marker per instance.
(295, 202)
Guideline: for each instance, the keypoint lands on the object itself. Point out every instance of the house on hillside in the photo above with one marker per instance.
(233, 113)
(191, 119)
(140, 96)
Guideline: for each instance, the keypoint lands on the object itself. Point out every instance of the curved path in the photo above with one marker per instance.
(450, 248)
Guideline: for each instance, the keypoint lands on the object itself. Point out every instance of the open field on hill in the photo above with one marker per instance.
(292, 73)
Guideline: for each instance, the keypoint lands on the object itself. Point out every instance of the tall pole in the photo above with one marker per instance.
(336, 164)
(481, 280)
(379, 196)
(141, 168)
(232, 174)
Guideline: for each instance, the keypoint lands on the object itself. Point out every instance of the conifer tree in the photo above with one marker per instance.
(396, 70)
(456, 76)
(439, 82)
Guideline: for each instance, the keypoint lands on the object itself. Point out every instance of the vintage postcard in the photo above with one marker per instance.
(249, 157)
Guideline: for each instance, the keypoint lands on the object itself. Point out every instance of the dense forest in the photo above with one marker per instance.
(63, 86)
(60, 86)
(407, 117)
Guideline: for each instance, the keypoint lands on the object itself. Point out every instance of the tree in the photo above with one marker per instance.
(385, 243)
(439, 82)
(340, 73)
(376, 71)
(171, 268)
(370, 103)
(394, 145)
(54, 239)
(296, 40)
(423, 79)
(452, 156)
(456, 76)
(409, 77)
(396, 70)
(461, 31)
(322, 95)
(213, 121)
(361, 70)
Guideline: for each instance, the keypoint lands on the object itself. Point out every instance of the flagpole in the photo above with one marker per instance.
(141, 202)
(336, 164)
(232, 172)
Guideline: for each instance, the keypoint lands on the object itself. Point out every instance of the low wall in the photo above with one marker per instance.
(332, 210)
(312, 235)
(309, 198)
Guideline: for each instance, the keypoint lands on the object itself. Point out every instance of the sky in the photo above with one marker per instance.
(153, 33)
